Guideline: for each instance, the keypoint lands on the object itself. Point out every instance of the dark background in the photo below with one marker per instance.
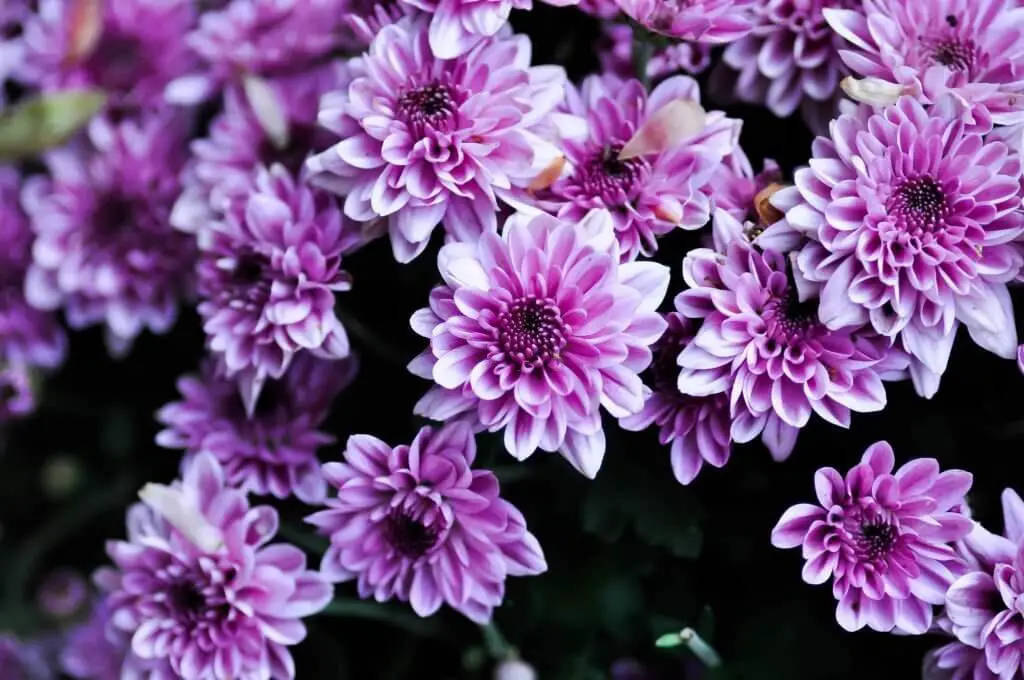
(631, 555)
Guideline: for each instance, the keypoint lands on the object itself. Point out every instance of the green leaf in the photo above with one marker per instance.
(46, 121)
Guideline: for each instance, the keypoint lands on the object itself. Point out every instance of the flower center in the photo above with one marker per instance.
(432, 105)
(408, 535)
(876, 538)
(919, 204)
(606, 177)
(242, 282)
(187, 600)
(953, 53)
(117, 63)
(790, 320)
(531, 331)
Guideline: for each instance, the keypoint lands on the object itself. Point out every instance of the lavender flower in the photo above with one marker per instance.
(273, 451)
(416, 523)
(131, 51)
(763, 345)
(697, 427)
(457, 26)
(62, 593)
(268, 278)
(957, 661)
(911, 221)
(425, 141)
(536, 330)
(104, 250)
(647, 195)
(197, 585)
(95, 650)
(703, 21)
(883, 537)
(27, 335)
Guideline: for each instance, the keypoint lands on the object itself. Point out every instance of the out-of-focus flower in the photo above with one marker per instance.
(696, 427)
(130, 49)
(198, 585)
(427, 141)
(602, 9)
(266, 38)
(911, 222)
(647, 195)
(268, 276)
(273, 451)
(970, 48)
(536, 330)
(17, 395)
(364, 19)
(515, 669)
(763, 345)
(94, 649)
(27, 335)
(104, 249)
(957, 661)
(616, 55)
(456, 26)
(20, 660)
(417, 523)
(883, 537)
(703, 21)
(62, 593)
(13, 15)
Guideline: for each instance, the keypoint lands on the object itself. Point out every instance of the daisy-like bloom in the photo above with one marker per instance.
(268, 278)
(647, 195)
(104, 249)
(427, 141)
(616, 54)
(456, 26)
(982, 604)
(267, 38)
(697, 427)
(883, 537)
(131, 51)
(27, 335)
(417, 523)
(198, 586)
(273, 451)
(970, 47)
(534, 331)
(911, 221)
(764, 346)
(703, 21)
(790, 57)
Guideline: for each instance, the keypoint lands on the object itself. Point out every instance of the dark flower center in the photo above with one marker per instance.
(531, 331)
(919, 204)
(117, 63)
(409, 536)
(876, 538)
(301, 139)
(8, 393)
(664, 369)
(953, 53)
(614, 181)
(187, 599)
(431, 105)
(789, 319)
(114, 215)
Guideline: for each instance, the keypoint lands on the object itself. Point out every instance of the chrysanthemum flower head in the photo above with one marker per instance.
(268, 276)
(647, 194)
(911, 221)
(534, 331)
(703, 21)
(273, 450)
(105, 251)
(130, 49)
(427, 141)
(417, 523)
(884, 537)
(198, 585)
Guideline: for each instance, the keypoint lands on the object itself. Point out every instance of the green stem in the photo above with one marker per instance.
(366, 609)
(497, 646)
(304, 537)
(643, 50)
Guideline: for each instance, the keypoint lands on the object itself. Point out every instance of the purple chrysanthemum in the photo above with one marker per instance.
(647, 195)
(273, 451)
(536, 330)
(957, 661)
(104, 249)
(131, 53)
(268, 276)
(703, 21)
(94, 650)
(982, 605)
(911, 221)
(970, 47)
(425, 140)
(883, 537)
(266, 38)
(197, 585)
(21, 660)
(456, 26)
(697, 427)
(791, 57)
(27, 335)
(616, 54)
(417, 523)
(735, 185)
(763, 345)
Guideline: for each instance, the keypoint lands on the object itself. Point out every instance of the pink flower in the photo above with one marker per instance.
(703, 21)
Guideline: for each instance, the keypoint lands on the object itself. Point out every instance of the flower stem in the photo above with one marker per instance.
(304, 538)
(643, 50)
(497, 646)
(365, 609)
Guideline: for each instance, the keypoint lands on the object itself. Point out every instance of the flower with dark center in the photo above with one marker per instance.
(648, 195)
(537, 330)
(908, 221)
(885, 538)
(764, 346)
(417, 523)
